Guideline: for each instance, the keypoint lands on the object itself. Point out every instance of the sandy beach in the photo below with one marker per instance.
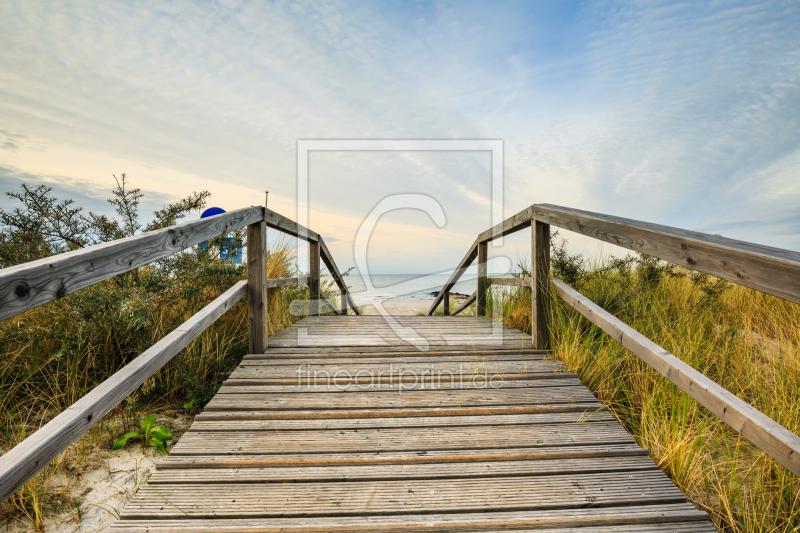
(409, 307)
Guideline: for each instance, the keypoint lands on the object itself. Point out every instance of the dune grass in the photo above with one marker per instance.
(746, 341)
(52, 355)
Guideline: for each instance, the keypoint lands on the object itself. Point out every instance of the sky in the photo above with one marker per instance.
(685, 114)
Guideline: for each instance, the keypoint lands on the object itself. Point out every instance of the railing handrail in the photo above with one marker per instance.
(764, 268)
(29, 285)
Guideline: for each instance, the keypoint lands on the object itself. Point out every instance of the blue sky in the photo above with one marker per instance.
(678, 113)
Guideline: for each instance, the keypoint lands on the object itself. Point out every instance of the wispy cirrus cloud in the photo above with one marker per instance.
(683, 114)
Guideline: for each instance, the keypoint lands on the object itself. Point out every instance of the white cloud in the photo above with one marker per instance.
(683, 114)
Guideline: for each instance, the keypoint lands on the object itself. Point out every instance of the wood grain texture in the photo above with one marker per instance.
(285, 282)
(257, 316)
(510, 225)
(351, 498)
(771, 270)
(511, 282)
(482, 282)
(466, 303)
(665, 518)
(29, 285)
(289, 226)
(314, 292)
(775, 440)
(540, 284)
(32, 454)
(272, 452)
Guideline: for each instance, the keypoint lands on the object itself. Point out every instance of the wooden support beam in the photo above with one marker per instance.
(446, 303)
(467, 260)
(540, 284)
(510, 225)
(286, 282)
(330, 264)
(314, 292)
(774, 439)
(29, 285)
(764, 268)
(483, 252)
(257, 315)
(513, 282)
(34, 453)
(469, 301)
(289, 226)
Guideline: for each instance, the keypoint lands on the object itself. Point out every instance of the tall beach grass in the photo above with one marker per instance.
(744, 340)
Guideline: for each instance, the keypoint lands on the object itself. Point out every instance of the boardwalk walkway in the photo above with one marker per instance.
(472, 435)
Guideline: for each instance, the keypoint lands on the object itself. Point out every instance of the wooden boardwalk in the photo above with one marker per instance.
(344, 426)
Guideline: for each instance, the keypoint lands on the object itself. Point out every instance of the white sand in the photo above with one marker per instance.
(405, 307)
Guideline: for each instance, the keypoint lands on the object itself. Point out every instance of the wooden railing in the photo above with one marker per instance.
(26, 286)
(770, 270)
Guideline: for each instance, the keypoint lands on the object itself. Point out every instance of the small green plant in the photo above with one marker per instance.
(155, 436)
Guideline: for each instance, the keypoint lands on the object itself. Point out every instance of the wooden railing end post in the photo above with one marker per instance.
(540, 284)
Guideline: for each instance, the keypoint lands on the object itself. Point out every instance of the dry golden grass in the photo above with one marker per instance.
(53, 355)
(746, 341)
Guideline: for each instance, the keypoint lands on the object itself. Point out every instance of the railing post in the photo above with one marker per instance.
(480, 298)
(258, 320)
(446, 303)
(344, 302)
(313, 278)
(540, 284)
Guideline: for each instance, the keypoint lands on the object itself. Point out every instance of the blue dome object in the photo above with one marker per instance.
(211, 211)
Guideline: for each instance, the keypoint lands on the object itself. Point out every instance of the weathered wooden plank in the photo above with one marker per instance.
(411, 398)
(466, 303)
(229, 422)
(540, 284)
(30, 285)
(286, 282)
(470, 256)
(512, 282)
(771, 270)
(35, 452)
(431, 456)
(257, 315)
(444, 370)
(774, 439)
(289, 226)
(419, 357)
(429, 523)
(305, 414)
(269, 440)
(595, 465)
(659, 518)
(397, 497)
(337, 386)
